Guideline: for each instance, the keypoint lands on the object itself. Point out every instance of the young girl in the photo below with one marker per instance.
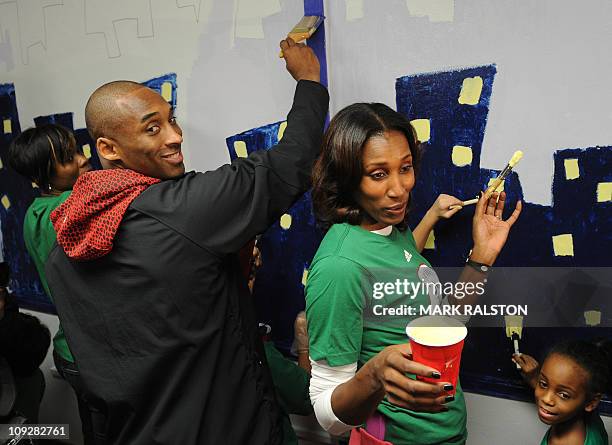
(49, 156)
(568, 387)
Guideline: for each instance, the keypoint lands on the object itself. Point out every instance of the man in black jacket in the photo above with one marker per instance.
(146, 278)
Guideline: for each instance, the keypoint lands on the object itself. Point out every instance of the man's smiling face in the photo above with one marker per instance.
(147, 137)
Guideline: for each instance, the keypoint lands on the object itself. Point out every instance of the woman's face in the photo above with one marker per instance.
(388, 178)
(65, 175)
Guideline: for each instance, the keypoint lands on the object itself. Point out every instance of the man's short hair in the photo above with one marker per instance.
(101, 109)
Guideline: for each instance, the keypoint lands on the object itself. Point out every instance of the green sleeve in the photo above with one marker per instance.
(334, 310)
(39, 233)
(290, 381)
(545, 438)
(595, 430)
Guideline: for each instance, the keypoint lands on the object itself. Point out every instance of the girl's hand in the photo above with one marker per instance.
(530, 368)
(390, 367)
(439, 209)
(489, 230)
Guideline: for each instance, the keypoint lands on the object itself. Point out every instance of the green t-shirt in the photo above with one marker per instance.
(39, 236)
(595, 432)
(350, 319)
(291, 385)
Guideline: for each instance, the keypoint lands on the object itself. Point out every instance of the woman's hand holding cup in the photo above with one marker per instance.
(390, 367)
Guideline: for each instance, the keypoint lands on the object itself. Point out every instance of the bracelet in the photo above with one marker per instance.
(483, 268)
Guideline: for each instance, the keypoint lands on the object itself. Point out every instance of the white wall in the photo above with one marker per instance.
(225, 55)
(551, 90)
(490, 420)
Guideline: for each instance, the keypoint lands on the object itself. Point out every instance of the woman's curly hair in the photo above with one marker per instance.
(338, 171)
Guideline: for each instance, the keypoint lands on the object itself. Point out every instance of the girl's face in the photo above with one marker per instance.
(561, 391)
(388, 178)
(65, 175)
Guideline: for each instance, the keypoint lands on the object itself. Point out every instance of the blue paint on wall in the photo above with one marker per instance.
(157, 82)
(433, 96)
(486, 365)
(81, 135)
(575, 207)
(63, 119)
(24, 278)
(20, 192)
(279, 292)
(317, 41)
(286, 254)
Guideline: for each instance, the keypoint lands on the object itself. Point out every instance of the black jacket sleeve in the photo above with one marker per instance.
(222, 210)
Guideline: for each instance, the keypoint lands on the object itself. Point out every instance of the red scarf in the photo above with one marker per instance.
(86, 223)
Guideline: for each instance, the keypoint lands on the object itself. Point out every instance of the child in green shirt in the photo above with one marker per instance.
(48, 156)
(568, 387)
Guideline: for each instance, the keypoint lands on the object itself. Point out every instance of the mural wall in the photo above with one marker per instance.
(478, 79)
(556, 243)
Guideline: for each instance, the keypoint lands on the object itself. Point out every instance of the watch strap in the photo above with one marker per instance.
(480, 267)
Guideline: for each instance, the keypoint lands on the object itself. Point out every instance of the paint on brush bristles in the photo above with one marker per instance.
(516, 157)
(305, 28)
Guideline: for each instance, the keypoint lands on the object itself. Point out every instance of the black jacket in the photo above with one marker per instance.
(162, 328)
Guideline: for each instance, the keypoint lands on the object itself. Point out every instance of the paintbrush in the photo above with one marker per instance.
(304, 29)
(514, 330)
(516, 157)
(463, 204)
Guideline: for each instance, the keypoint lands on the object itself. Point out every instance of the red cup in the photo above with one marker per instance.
(437, 342)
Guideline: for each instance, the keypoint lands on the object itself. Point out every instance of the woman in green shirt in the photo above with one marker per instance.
(48, 156)
(361, 191)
